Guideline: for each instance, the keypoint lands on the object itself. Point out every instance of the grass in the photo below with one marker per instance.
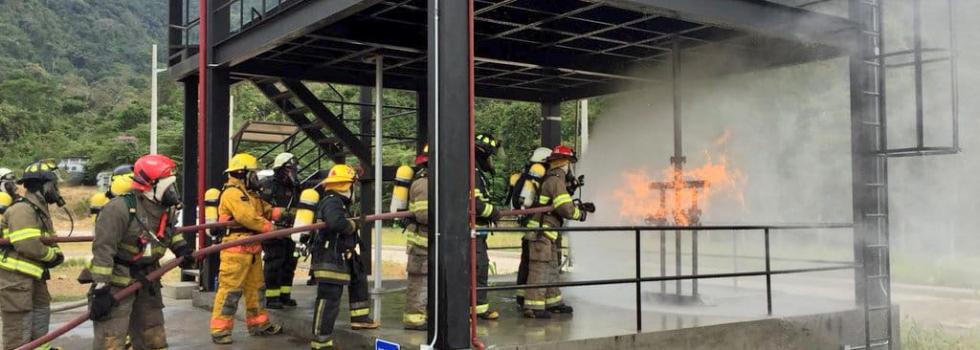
(916, 336)
(941, 271)
(76, 199)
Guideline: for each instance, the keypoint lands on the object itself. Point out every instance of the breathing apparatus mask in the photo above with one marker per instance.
(252, 181)
(164, 192)
(51, 194)
(484, 161)
(288, 174)
(9, 186)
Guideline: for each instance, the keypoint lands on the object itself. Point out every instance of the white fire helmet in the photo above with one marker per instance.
(540, 154)
(283, 159)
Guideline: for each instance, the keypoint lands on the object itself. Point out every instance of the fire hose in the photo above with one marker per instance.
(182, 229)
(170, 265)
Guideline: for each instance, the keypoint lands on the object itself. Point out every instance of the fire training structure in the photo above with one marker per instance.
(539, 51)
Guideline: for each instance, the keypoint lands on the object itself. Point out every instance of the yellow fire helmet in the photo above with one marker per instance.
(340, 178)
(242, 161)
(341, 173)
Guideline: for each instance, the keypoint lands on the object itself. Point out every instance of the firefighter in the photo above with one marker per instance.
(8, 183)
(280, 256)
(120, 183)
(25, 304)
(485, 147)
(336, 262)
(417, 228)
(240, 272)
(8, 191)
(132, 233)
(544, 251)
(523, 194)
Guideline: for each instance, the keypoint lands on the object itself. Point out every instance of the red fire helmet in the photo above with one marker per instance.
(563, 152)
(423, 157)
(150, 168)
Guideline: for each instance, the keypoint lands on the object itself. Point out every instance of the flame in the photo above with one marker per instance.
(680, 195)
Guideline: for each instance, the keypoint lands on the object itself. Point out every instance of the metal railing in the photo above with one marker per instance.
(638, 278)
(241, 15)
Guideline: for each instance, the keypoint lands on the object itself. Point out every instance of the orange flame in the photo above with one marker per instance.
(679, 196)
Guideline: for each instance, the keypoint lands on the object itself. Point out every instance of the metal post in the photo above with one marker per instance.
(677, 260)
(231, 125)
(768, 276)
(550, 123)
(153, 101)
(584, 126)
(694, 263)
(917, 64)
(639, 302)
(190, 170)
(450, 148)
(378, 163)
(663, 261)
(735, 256)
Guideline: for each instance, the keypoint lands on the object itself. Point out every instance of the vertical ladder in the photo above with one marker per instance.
(875, 253)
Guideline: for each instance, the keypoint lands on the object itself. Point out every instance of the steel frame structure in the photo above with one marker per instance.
(540, 51)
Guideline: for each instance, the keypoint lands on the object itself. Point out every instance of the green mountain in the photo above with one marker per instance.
(88, 38)
(74, 80)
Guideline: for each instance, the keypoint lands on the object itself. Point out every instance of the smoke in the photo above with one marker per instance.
(788, 134)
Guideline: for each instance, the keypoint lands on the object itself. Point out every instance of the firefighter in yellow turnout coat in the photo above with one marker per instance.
(24, 300)
(240, 273)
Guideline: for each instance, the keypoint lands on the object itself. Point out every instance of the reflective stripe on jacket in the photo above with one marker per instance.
(25, 223)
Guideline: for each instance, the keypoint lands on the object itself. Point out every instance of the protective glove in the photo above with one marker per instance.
(494, 215)
(401, 223)
(587, 207)
(58, 259)
(100, 302)
(286, 220)
(582, 215)
(185, 252)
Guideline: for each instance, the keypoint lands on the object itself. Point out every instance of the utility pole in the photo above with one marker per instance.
(154, 99)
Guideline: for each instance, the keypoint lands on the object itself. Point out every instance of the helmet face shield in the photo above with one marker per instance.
(171, 195)
(8, 186)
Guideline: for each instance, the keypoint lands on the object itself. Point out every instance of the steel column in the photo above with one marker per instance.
(367, 187)
(550, 124)
(448, 41)
(421, 119)
(188, 176)
(217, 91)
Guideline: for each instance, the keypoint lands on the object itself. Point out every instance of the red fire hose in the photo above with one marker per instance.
(182, 229)
(170, 265)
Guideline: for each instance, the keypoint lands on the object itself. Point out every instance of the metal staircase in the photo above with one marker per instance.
(288, 103)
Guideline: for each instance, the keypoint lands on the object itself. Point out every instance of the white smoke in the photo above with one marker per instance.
(790, 136)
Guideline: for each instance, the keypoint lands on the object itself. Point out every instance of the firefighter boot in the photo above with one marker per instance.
(542, 314)
(273, 303)
(364, 323)
(560, 309)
